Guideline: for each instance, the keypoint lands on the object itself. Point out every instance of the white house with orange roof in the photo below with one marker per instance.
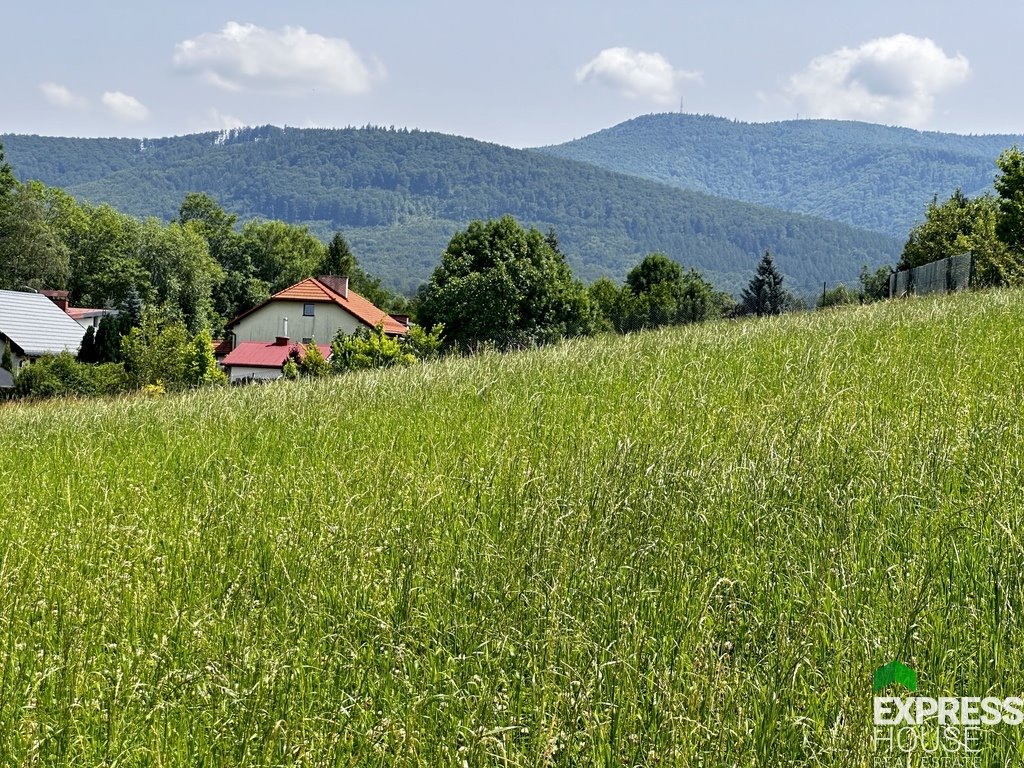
(313, 309)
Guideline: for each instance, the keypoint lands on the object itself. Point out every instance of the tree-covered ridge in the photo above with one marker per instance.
(400, 195)
(869, 176)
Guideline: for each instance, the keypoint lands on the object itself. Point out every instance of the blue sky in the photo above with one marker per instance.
(521, 74)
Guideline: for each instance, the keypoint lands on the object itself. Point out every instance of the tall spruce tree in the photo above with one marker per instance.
(765, 294)
(339, 260)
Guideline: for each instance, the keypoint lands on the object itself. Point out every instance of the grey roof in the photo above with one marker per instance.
(37, 325)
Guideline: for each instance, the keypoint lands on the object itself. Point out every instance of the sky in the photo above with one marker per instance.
(522, 74)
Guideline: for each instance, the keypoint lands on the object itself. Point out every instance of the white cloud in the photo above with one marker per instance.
(890, 79)
(60, 96)
(636, 74)
(124, 106)
(248, 57)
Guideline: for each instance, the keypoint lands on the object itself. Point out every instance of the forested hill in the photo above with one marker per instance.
(399, 195)
(869, 176)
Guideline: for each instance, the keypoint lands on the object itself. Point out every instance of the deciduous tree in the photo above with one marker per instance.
(501, 284)
(1010, 188)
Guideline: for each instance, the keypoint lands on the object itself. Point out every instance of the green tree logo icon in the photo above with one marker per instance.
(895, 672)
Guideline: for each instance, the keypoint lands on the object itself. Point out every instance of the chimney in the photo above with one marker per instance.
(281, 341)
(337, 284)
(60, 298)
(285, 331)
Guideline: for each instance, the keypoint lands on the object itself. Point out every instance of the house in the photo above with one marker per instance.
(258, 360)
(85, 316)
(34, 326)
(315, 308)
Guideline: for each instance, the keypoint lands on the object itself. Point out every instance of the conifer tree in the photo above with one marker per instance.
(765, 294)
(339, 260)
(87, 351)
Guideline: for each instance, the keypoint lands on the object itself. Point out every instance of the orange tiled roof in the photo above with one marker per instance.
(313, 290)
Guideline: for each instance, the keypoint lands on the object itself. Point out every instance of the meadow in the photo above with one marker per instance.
(686, 547)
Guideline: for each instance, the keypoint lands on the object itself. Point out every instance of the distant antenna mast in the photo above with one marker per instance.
(680, 105)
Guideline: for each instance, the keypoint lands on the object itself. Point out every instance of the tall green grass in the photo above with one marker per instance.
(689, 547)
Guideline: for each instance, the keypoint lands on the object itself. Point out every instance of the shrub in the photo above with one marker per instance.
(368, 349)
(62, 375)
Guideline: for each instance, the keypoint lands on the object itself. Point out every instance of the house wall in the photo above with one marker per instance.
(239, 372)
(18, 362)
(89, 322)
(267, 323)
(17, 359)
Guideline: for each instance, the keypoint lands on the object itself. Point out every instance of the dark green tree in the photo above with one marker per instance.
(7, 359)
(339, 259)
(501, 284)
(7, 179)
(87, 350)
(1010, 188)
(655, 269)
(281, 254)
(158, 351)
(30, 252)
(657, 292)
(940, 235)
(552, 239)
(181, 269)
(606, 297)
(105, 261)
(765, 294)
(982, 226)
(107, 345)
(8, 185)
(214, 224)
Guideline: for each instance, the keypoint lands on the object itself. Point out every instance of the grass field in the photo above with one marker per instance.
(689, 547)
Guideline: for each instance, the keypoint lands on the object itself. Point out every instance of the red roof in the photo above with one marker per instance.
(221, 347)
(260, 354)
(78, 313)
(332, 290)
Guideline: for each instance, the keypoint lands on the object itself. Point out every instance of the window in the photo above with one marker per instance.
(307, 339)
(308, 310)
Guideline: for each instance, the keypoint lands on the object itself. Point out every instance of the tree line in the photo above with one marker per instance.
(499, 284)
(402, 195)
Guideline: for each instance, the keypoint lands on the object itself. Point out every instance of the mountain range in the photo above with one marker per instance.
(869, 176)
(398, 195)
